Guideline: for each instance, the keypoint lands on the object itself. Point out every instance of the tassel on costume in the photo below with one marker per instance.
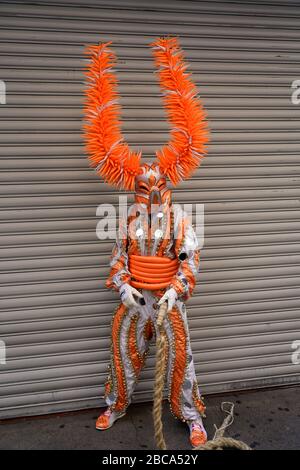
(189, 133)
(105, 146)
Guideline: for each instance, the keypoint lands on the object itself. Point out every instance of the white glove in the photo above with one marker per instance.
(169, 296)
(127, 294)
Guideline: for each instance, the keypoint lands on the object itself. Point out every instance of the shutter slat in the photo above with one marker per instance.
(55, 312)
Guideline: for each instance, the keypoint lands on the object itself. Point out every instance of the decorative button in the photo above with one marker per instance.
(139, 232)
(158, 233)
(182, 256)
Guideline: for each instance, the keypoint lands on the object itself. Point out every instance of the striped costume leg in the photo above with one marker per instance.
(131, 333)
(183, 393)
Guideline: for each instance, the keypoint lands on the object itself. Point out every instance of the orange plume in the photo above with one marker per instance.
(105, 146)
(189, 133)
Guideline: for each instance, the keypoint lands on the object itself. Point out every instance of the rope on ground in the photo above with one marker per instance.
(219, 442)
(224, 443)
(227, 421)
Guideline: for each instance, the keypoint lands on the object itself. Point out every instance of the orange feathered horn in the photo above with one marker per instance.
(105, 146)
(189, 133)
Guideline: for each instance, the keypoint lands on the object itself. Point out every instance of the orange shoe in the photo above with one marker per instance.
(107, 419)
(198, 435)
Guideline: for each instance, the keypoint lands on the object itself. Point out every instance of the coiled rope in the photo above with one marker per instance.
(219, 442)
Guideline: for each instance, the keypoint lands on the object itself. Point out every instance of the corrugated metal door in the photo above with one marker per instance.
(55, 311)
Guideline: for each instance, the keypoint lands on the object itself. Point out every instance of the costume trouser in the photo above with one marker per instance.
(132, 331)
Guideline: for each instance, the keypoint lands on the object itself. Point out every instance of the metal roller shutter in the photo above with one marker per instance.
(55, 311)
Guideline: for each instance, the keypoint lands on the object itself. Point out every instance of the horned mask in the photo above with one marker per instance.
(107, 151)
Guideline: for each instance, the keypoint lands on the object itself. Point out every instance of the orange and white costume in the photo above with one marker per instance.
(156, 255)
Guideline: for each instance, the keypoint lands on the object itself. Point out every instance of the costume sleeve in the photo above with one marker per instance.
(188, 253)
(119, 273)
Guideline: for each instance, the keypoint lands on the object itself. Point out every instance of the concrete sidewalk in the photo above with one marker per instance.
(264, 419)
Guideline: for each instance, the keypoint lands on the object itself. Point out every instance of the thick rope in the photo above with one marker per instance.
(219, 442)
(159, 382)
(223, 443)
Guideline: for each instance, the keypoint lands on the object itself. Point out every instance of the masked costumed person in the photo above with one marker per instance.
(156, 255)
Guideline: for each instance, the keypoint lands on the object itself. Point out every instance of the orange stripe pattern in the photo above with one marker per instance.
(121, 402)
(180, 361)
(198, 401)
(148, 330)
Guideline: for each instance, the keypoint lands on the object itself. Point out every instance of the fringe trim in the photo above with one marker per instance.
(105, 146)
(189, 134)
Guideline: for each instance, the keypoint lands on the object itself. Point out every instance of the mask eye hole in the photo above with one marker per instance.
(142, 187)
(161, 184)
